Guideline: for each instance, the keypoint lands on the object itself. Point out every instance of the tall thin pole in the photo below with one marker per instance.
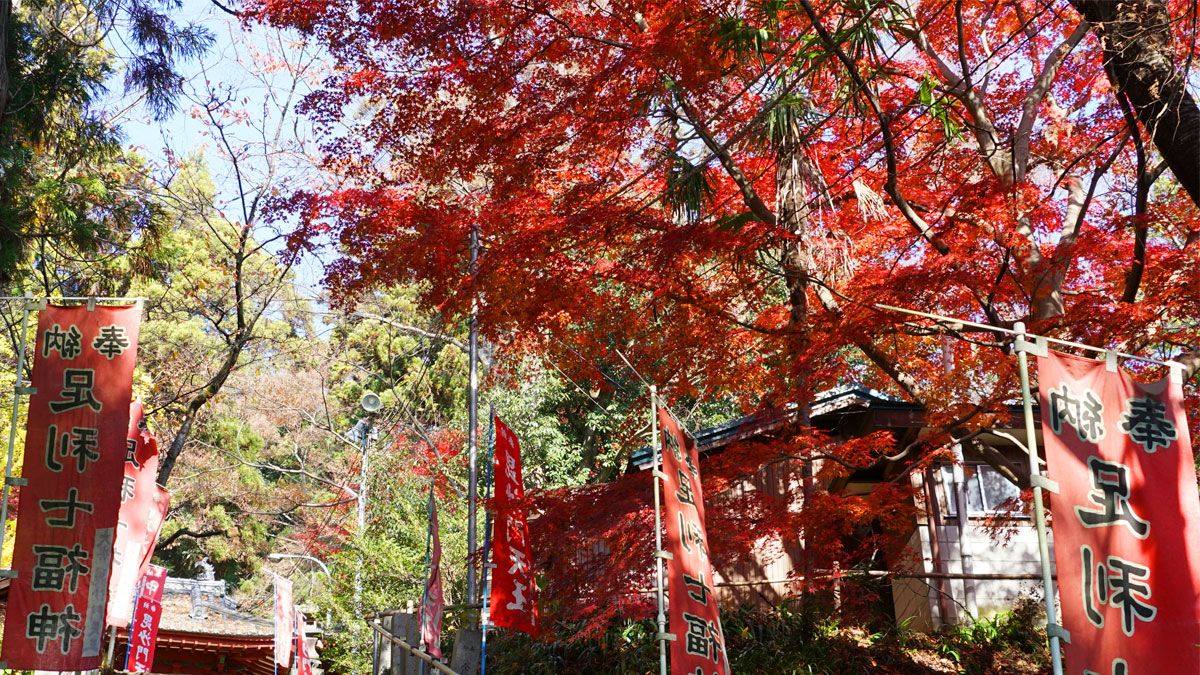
(662, 636)
(487, 538)
(362, 510)
(428, 564)
(473, 424)
(18, 389)
(1039, 515)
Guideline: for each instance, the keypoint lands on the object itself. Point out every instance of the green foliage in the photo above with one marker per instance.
(794, 640)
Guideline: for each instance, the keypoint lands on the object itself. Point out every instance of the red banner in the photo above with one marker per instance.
(431, 608)
(143, 631)
(303, 664)
(143, 508)
(699, 645)
(284, 614)
(1128, 571)
(512, 603)
(74, 451)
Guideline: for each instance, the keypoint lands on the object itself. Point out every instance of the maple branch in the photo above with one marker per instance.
(1191, 363)
(982, 126)
(571, 32)
(1133, 278)
(892, 186)
(1015, 473)
(185, 532)
(413, 330)
(1037, 93)
(749, 194)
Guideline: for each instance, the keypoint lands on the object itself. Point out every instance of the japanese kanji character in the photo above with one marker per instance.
(84, 444)
(1145, 421)
(512, 529)
(77, 390)
(1110, 491)
(56, 445)
(45, 625)
(1128, 590)
(690, 533)
(71, 504)
(684, 492)
(131, 445)
(672, 443)
(1119, 667)
(111, 341)
(519, 565)
(1085, 413)
(1119, 584)
(127, 488)
(65, 342)
(703, 638)
(700, 596)
(510, 468)
(55, 564)
(519, 598)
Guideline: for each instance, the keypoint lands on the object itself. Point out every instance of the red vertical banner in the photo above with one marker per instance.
(695, 619)
(432, 606)
(143, 629)
(303, 663)
(1128, 571)
(512, 603)
(284, 614)
(74, 451)
(143, 508)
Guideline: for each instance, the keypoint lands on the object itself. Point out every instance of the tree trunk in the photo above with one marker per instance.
(792, 216)
(1136, 35)
(6, 8)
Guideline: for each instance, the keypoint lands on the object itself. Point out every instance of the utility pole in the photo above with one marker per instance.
(473, 422)
(370, 403)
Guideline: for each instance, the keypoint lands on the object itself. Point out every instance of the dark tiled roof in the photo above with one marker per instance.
(838, 399)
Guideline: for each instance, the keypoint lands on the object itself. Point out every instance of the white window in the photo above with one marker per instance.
(986, 489)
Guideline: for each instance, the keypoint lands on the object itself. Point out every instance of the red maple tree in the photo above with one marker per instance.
(726, 191)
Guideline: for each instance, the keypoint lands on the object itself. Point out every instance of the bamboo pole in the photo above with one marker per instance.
(437, 665)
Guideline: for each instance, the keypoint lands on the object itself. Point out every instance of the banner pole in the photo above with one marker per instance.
(428, 558)
(1039, 514)
(18, 389)
(473, 421)
(658, 549)
(487, 540)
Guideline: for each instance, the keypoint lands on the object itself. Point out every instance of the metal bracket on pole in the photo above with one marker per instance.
(35, 305)
(1056, 630)
(664, 637)
(23, 390)
(1039, 346)
(1110, 361)
(665, 555)
(15, 480)
(660, 475)
(8, 574)
(1040, 481)
(1175, 376)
